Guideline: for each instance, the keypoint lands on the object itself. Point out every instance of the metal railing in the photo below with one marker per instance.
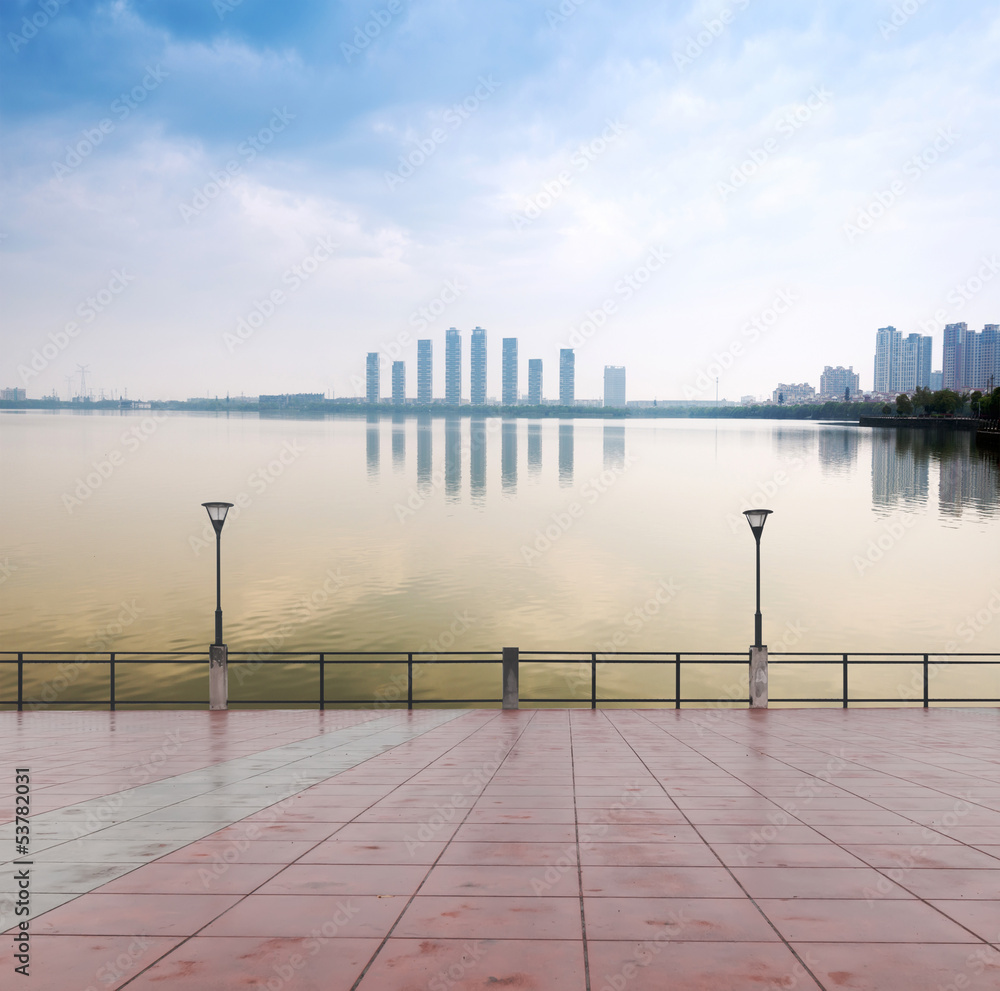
(593, 663)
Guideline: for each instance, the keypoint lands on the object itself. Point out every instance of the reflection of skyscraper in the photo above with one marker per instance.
(509, 392)
(567, 376)
(399, 382)
(452, 458)
(968, 478)
(477, 382)
(614, 386)
(614, 446)
(425, 451)
(452, 366)
(372, 442)
(371, 377)
(565, 454)
(900, 466)
(477, 458)
(398, 441)
(508, 456)
(425, 371)
(838, 450)
(535, 381)
(534, 448)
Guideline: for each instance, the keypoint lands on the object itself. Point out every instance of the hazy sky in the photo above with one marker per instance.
(675, 168)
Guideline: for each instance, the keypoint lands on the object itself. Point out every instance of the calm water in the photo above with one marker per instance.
(422, 534)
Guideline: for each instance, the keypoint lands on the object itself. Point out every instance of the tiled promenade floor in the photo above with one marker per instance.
(550, 849)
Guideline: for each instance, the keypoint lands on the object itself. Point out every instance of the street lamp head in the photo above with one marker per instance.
(217, 513)
(757, 518)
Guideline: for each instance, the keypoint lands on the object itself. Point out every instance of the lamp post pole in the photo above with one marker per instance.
(758, 652)
(218, 586)
(218, 655)
(757, 617)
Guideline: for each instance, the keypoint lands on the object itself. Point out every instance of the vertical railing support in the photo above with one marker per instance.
(218, 676)
(20, 682)
(510, 677)
(927, 682)
(593, 681)
(677, 681)
(845, 695)
(409, 681)
(322, 682)
(758, 677)
(112, 699)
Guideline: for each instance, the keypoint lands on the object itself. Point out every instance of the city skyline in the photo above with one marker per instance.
(791, 180)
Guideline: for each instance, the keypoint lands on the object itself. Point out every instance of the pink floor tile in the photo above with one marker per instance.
(345, 879)
(716, 919)
(982, 917)
(659, 882)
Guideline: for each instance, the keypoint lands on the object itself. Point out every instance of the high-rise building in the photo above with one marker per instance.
(971, 358)
(567, 376)
(838, 382)
(371, 377)
(951, 362)
(509, 391)
(425, 371)
(936, 379)
(477, 382)
(614, 386)
(452, 366)
(888, 342)
(914, 363)
(399, 383)
(535, 381)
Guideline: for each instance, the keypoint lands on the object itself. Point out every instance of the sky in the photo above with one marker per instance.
(211, 197)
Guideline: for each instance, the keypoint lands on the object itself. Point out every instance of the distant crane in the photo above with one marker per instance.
(83, 369)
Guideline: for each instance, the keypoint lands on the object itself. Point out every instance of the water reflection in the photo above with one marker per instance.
(968, 478)
(425, 451)
(900, 467)
(838, 450)
(508, 457)
(614, 446)
(792, 442)
(398, 442)
(565, 454)
(534, 448)
(452, 458)
(477, 458)
(373, 440)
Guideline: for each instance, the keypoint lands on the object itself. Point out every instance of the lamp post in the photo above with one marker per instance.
(217, 514)
(757, 518)
(758, 652)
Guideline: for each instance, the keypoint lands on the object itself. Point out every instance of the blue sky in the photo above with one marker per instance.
(647, 178)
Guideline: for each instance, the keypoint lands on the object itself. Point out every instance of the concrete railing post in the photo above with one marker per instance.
(218, 676)
(510, 677)
(758, 677)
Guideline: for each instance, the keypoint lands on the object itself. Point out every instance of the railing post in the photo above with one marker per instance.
(927, 682)
(758, 677)
(677, 681)
(409, 681)
(20, 682)
(510, 677)
(112, 699)
(218, 676)
(845, 682)
(593, 681)
(322, 682)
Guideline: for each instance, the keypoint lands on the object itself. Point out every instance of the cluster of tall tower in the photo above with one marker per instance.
(971, 358)
(901, 365)
(477, 377)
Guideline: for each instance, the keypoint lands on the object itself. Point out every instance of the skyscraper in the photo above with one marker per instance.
(888, 342)
(976, 358)
(614, 386)
(915, 363)
(452, 367)
(954, 344)
(399, 382)
(567, 376)
(371, 377)
(535, 381)
(477, 382)
(425, 372)
(509, 393)
(838, 382)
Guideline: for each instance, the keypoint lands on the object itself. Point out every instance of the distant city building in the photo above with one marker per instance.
(477, 383)
(567, 376)
(534, 381)
(915, 363)
(371, 378)
(13, 395)
(284, 401)
(888, 343)
(971, 359)
(614, 386)
(836, 382)
(936, 378)
(452, 367)
(800, 392)
(399, 382)
(425, 371)
(748, 400)
(508, 394)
